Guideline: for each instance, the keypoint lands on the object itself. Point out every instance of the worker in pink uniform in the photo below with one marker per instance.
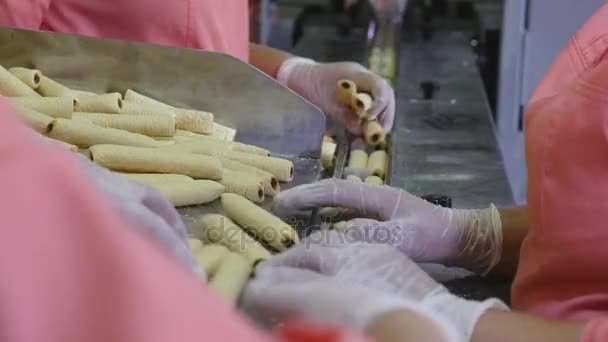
(557, 246)
(74, 269)
(215, 25)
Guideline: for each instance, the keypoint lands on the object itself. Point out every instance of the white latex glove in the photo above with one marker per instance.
(145, 209)
(471, 239)
(366, 280)
(317, 83)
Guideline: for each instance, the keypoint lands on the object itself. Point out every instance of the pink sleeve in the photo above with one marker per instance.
(596, 330)
(75, 272)
(27, 14)
(586, 49)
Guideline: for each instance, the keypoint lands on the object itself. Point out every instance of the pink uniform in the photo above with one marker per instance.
(562, 269)
(215, 25)
(73, 271)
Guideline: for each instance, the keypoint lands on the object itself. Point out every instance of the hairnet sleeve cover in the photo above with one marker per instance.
(23, 14)
(587, 48)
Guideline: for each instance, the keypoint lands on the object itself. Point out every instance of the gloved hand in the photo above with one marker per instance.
(301, 284)
(326, 277)
(145, 209)
(470, 239)
(317, 83)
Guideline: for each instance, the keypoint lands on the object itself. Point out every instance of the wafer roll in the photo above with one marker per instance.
(262, 224)
(57, 107)
(222, 230)
(84, 134)
(137, 159)
(30, 77)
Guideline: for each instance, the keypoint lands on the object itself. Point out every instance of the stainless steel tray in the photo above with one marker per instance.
(264, 112)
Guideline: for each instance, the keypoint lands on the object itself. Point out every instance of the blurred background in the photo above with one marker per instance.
(513, 42)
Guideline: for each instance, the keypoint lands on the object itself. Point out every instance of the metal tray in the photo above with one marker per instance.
(264, 112)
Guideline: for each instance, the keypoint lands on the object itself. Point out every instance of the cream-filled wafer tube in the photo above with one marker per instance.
(133, 96)
(52, 88)
(269, 181)
(186, 119)
(30, 77)
(157, 178)
(354, 178)
(243, 184)
(144, 160)
(164, 142)
(79, 93)
(227, 145)
(151, 125)
(138, 108)
(361, 103)
(188, 134)
(357, 159)
(240, 147)
(223, 132)
(328, 154)
(359, 172)
(10, 85)
(194, 120)
(39, 122)
(377, 163)
(194, 192)
(282, 169)
(262, 224)
(180, 139)
(374, 180)
(346, 90)
(84, 134)
(222, 230)
(231, 277)
(231, 145)
(164, 139)
(373, 133)
(106, 103)
(194, 244)
(57, 107)
(210, 257)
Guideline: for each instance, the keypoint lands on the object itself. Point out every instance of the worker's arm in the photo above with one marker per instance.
(23, 14)
(407, 325)
(515, 227)
(503, 326)
(496, 326)
(267, 59)
(316, 82)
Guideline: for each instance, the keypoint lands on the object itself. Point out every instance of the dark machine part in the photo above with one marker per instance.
(428, 89)
(437, 199)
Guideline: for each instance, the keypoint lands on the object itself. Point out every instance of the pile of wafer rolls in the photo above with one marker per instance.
(231, 246)
(182, 152)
